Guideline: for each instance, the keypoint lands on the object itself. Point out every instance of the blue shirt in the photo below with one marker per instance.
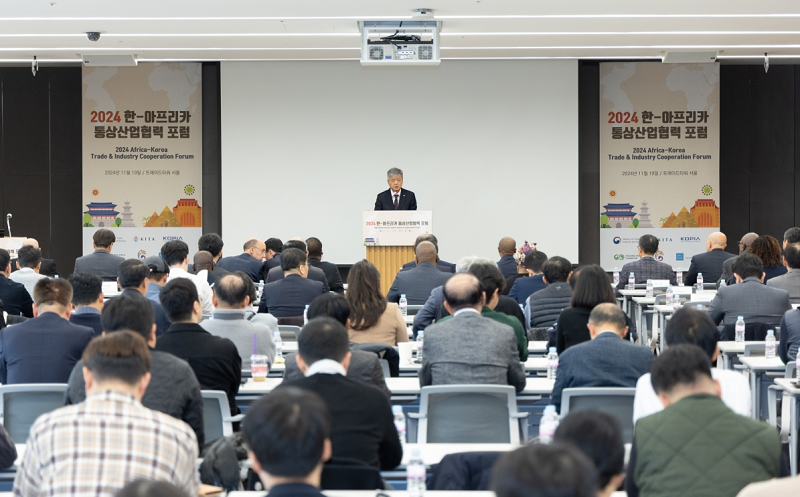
(153, 289)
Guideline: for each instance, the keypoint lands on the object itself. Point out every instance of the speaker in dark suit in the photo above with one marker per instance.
(406, 201)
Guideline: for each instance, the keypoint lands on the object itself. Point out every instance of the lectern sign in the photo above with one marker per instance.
(394, 228)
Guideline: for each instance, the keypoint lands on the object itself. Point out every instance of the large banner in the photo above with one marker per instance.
(142, 164)
(659, 159)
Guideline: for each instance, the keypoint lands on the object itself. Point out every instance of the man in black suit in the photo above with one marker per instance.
(16, 299)
(289, 296)
(46, 348)
(710, 262)
(214, 360)
(507, 248)
(48, 265)
(132, 277)
(332, 274)
(87, 297)
(251, 261)
(274, 247)
(362, 424)
(314, 273)
(416, 284)
(443, 266)
(395, 198)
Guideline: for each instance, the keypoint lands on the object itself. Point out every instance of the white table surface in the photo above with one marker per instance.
(537, 347)
(371, 493)
(644, 300)
(735, 347)
(763, 364)
(532, 364)
(633, 293)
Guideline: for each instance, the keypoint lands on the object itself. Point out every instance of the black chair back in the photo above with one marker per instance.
(384, 351)
(350, 474)
(753, 332)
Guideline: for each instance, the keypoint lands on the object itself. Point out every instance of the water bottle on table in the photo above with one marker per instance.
(699, 281)
(739, 329)
(670, 295)
(548, 425)
(400, 422)
(305, 315)
(649, 291)
(679, 276)
(552, 364)
(770, 345)
(276, 337)
(403, 305)
(616, 276)
(631, 281)
(723, 283)
(415, 475)
(420, 340)
(797, 368)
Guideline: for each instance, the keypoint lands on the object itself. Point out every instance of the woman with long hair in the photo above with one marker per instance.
(372, 319)
(768, 249)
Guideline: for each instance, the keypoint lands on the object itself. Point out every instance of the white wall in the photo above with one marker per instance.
(491, 147)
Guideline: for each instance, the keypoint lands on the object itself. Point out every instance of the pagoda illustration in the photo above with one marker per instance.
(619, 215)
(644, 216)
(103, 213)
(127, 216)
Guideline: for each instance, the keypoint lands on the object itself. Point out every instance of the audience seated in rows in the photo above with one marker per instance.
(507, 248)
(289, 296)
(544, 306)
(176, 255)
(693, 327)
(364, 365)
(768, 249)
(444, 266)
(173, 387)
(697, 445)
(491, 283)
(29, 264)
(159, 272)
(312, 274)
(418, 283)
(43, 349)
(288, 435)
(330, 270)
(251, 261)
(203, 261)
(372, 319)
(273, 247)
(101, 262)
(607, 360)
(727, 267)
(97, 446)
(469, 348)
(250, 311)
(230, 321)
(557, 470)
(16, 300)
(524, 287)
(519, 259)
(362, 424)
(87, 301)
(709, 263)
(790, 282)
(48, 265)
(214, 360)
(213, 244)
(749, 298)
(599, 436)
(428, 313)
(647, 267)
(132, 277)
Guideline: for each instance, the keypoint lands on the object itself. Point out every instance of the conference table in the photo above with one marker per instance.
(755, 367)
(727, 350)
(787, 385)
(534, 347)
(532, 365)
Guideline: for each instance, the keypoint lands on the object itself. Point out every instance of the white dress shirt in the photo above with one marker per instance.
(326, 366)
(735, 394)
(27, 277)
(203, 290)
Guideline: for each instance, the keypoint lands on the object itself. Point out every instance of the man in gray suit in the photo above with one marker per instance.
(469, 348)
(101, 262)
(417, 283)
(791, 280)
(750, 298)
(727, 266)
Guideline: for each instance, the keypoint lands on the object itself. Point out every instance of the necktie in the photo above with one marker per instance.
(395, 201)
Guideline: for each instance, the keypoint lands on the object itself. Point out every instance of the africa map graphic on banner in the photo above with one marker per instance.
(142, 155)
(659, 159)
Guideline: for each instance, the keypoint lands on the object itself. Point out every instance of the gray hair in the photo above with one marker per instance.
(463, 265)
(394, 172)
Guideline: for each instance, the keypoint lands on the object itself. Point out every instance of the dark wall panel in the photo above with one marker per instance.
(212, 150)
(588, 162)
(734, 154)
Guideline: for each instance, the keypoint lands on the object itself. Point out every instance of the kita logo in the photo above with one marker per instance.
(142, 255)
(660, 256)
(617, 240)
(679, 256)
(619, 257)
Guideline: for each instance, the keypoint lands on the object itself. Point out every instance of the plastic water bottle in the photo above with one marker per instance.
(403, 305)
(699, 281)
(305, 316)
(670, 295)
(649, 291)
(676, 303)
(548, 425)
(400, 422)
(797, 368)
(552, 364)
(420, 343)
(415, 475)
(616, 276)
(631, 281)
(276, 337)
(723, 283)
(679, 276)
(739, 336)
(770, 345)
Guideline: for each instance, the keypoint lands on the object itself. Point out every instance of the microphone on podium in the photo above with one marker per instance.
(8, 223)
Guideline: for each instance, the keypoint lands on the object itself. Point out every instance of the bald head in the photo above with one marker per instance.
(507, 246)
(607, 317)
(717, 240)
(32, 242)
(746, 241)
(426, 252)
(463, 291)
(255, 248)
(203, 260)
(230, 292)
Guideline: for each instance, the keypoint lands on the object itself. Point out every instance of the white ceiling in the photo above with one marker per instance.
(200, 30)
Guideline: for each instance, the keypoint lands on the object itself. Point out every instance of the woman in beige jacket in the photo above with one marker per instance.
(372, 319)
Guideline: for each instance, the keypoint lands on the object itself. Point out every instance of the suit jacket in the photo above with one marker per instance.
(214, 360)
(314, 274)
(362, 424)
(242, 262)
(100, 263)
(335, 283)
(274, 262)
(416, 283)
(525, 287)
(406, 202)
(295, 490)
(162, 321)
(755, 301)
(646, 268)
(727, 271)
(443, 266)
(16, 300)
(789, 282)
(364, 368)
(471, 349)
(48, 267)
(289, 296)
(41, 350)
(507, 265)
(708, 263)
(606, 361)
(90, 320)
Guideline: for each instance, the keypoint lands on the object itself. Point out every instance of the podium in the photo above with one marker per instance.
(12, 244)
(389, 238)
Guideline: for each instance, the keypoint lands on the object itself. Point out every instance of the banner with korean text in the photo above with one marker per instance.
(142, 163)
(659, 159)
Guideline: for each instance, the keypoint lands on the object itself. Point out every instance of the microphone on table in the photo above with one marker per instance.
(8, 223)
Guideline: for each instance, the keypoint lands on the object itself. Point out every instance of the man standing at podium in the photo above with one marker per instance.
(395, 198)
